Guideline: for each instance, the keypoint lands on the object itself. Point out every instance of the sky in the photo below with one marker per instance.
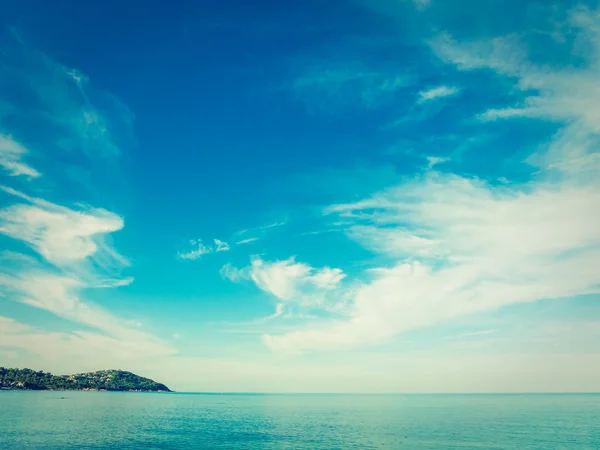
(341, 196)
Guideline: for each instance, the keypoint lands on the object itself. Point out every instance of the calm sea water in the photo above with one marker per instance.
(104, 420)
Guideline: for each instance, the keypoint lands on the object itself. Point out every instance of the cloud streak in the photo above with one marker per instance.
(246, 241)
(436, 93)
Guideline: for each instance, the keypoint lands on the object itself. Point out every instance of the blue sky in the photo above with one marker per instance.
(350, 196)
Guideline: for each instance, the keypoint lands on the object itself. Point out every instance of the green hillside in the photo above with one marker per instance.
(102, 380)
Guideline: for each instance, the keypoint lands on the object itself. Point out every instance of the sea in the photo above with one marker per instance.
(112, 420)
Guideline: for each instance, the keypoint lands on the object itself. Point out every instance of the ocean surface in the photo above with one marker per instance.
(105, 420)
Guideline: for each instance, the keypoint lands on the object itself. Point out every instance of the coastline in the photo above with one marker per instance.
(81, 390)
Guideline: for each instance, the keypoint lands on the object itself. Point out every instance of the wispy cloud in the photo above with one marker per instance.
(72, 243)
(566, 94)
(198, 249)
(259, 232)
(232, 273)
(72, 121)
(463, 247)
(81, 260)
(459, 245)
(273, 225)
(11, 154)
(493, 114)
(437, 93)
(221, 246)
(262, 228)
(246, 241)
(333, 85)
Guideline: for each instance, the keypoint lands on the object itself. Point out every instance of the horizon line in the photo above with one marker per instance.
(379, 393)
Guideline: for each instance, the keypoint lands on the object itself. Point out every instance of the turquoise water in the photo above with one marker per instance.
(103, 420)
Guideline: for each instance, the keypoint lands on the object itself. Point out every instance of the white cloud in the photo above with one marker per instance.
(288, 279)
(459, 245)
(567, 95)
(394, 241)
(58, 290)
(464, 247)
(73, 242)
(437, 93)
(60, 295)
(294, 284)
(77, 257)
(505, 55)
(280, 278)
(61, 235)
(221, 246)
(327, 278)
(11, 153)
(199, 250)
(505, 113)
